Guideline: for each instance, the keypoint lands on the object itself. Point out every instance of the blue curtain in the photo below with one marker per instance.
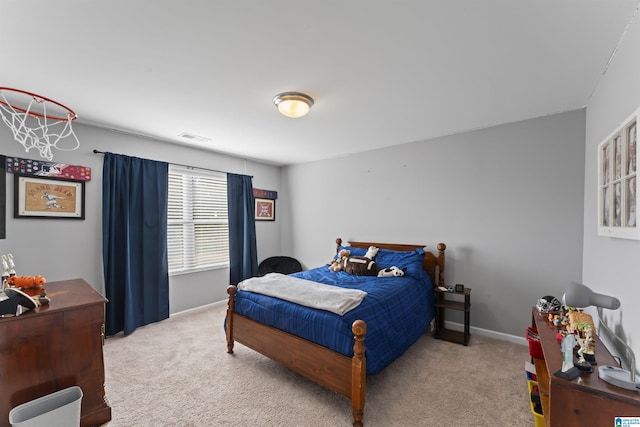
(134, 242)
(243, 252)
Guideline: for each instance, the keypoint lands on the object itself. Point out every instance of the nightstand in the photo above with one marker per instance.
(460, 301)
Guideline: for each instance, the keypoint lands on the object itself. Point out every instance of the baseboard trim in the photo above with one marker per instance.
(198, 309)
(488, 333)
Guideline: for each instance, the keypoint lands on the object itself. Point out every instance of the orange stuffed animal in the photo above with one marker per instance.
(31, 285)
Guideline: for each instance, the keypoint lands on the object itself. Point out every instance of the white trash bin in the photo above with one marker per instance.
(59, 409)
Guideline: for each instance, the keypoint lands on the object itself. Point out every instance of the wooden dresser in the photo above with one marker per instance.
(54, 347)
(584, 401)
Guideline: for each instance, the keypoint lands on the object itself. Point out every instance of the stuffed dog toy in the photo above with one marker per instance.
(392, 272)
(362, 265)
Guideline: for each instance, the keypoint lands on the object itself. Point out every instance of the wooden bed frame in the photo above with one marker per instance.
(335, 371)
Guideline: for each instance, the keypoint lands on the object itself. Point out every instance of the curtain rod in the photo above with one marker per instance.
(178, 164)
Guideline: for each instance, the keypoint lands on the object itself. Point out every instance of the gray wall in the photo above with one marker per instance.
(507, 201)
(610, 265)
(65, 249)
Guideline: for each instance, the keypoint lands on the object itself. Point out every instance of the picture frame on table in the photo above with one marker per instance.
(617, 176)
(48, 198)
(265, 209)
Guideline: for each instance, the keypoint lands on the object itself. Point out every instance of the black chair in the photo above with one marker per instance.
(279, 264)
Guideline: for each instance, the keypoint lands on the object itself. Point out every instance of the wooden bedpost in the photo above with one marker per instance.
(358, 372)
(441, 248)
(231, 290)
(338, 244)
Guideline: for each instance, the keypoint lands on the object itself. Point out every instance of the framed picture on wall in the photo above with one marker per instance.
(265, 209)
(617, 194)
(48, 198)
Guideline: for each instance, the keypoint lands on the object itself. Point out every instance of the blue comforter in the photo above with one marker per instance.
(397, 311)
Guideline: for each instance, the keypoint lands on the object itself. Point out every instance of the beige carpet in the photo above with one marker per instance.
(178, 373)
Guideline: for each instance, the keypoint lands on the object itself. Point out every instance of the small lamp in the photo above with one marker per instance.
(293, 104)
(578, 295)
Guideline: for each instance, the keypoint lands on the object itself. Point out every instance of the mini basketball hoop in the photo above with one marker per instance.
(37, 122)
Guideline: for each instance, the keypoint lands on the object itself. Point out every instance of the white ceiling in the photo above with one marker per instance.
(381, 72)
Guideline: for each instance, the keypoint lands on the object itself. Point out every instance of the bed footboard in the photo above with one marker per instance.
(231, 304)
(358, 372)
(342, 374)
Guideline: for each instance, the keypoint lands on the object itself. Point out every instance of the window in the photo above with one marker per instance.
(617, 195)
(198, 225)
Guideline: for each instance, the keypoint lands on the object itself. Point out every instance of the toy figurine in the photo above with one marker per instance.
(12, 266)
(586, 353)
(5, 272)
(568, 343)
(568, 370)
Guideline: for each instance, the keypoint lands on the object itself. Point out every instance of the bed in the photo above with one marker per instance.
(329, 348)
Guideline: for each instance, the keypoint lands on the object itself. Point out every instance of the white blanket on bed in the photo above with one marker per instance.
(305, 292)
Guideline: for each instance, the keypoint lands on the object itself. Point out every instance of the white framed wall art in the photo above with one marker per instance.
(617, 194)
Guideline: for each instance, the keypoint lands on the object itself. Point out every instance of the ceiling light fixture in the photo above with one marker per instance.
(293, 104)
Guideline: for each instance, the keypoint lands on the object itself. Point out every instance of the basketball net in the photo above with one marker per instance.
(36, 129)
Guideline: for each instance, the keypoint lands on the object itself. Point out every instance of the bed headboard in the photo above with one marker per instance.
(433, 264)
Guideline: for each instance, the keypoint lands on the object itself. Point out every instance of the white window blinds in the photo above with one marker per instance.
(198, 226)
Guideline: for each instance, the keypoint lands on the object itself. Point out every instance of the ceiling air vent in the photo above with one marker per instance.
(192, 137)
